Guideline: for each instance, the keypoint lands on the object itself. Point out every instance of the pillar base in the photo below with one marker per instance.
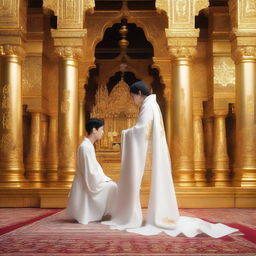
(184, 178)
(200, 178)
(35, 176)
(245, 177)
(10, 179)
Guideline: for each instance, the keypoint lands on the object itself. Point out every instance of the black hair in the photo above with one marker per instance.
(93, 123)
(140, 86)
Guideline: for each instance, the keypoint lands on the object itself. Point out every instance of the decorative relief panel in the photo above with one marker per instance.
(32, 76)
(70, 14)
(247, 13)
(9, 12)
(224, 72)
(181, 11)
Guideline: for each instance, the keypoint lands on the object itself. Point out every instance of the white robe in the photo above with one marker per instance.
(148, 137)
(92, 191)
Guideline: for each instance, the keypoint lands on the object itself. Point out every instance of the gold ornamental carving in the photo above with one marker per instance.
(248, 10)
(8, 50)
(69, 52)
(70, 14)
(5, 97)
(66, 145)
(243, 15)
(244, 52)
(31, 76)
(181, 10)
(118, 112)
(9, 11)
(65, 104)
(182, 52)
(224, 72)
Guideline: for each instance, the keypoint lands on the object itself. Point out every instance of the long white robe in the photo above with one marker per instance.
(148, 137)
(92, 193)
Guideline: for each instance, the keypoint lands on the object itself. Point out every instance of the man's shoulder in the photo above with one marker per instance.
(85, 146)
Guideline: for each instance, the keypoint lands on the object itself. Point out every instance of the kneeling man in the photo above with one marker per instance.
(93, 193)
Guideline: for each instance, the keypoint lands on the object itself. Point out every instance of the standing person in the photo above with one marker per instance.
(146, 140)
(92, 193)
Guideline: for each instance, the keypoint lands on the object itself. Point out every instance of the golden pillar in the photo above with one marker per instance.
(243, 44)
(11, 142)
(199, 157)
(34, 162)
(68, 113)
(182, 121)
(51, 162)
(208, 138)
(220, 164)
(245, 157)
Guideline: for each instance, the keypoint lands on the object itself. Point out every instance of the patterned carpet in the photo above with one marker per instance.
(60, 235)
(13, 218)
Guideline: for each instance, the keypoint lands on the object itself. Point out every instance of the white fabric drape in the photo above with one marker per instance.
(92, 191)
(163, 213)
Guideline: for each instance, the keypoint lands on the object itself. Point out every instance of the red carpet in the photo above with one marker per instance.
(60, 235)
(13, 218)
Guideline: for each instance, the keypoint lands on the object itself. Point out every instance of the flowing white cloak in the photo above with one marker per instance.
(163, 213)
(92, 191)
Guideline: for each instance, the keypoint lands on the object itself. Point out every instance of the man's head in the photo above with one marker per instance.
(94, 127)
(139, 91)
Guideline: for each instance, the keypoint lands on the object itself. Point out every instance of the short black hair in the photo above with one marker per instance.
(140, 86)
(93, 123)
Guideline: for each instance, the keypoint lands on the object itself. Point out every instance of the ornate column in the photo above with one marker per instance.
(245, 157)
(68, 113)
(199, 158)
(11, 142)
(182, 124)
(182, 41)
(243, 20)
(69, 45)
(51, 158)
(220, 164)
(12, 29)
(34, 162)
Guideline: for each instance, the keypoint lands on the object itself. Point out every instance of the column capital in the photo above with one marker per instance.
(182, 45)
(244, 53)
(69, 43)
(9, 50)
(69, 52)
(182, 52)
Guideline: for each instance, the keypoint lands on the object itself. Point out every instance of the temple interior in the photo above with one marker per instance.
(65, 61)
